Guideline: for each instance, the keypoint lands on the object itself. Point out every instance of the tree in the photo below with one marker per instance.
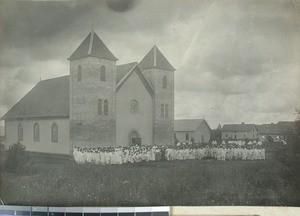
(293, 137)
(16, 158)
(297, 132)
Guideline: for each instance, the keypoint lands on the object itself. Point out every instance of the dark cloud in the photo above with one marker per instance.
(121, 5)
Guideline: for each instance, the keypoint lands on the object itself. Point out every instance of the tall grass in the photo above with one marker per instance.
(155, 183)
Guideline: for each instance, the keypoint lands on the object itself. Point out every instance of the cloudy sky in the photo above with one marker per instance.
(237, 61)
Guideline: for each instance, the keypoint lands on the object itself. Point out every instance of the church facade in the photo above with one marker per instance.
(99, 104)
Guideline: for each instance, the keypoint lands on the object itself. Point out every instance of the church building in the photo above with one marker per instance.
(98, 104)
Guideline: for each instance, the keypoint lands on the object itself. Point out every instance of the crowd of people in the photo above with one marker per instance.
(224, 150)
(119, 155)
(218, 152)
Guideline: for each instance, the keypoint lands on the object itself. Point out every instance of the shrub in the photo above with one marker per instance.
(16, 158)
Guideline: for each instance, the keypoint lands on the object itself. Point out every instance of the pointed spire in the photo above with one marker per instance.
(92, 45)
(155, 59)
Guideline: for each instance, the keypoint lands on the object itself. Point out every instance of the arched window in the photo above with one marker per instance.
(102, 73)
(79, 74)
(105, 107)
(99, 107)
(162, 110)
(36, 132)
(20, 132)
(166, 111)
(164, 82)
(54, 133)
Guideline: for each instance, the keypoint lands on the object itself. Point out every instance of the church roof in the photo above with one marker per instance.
(188, 124)
(93, 46)
(123, 69)
(49, 98)
(126, 70)
(155, 59)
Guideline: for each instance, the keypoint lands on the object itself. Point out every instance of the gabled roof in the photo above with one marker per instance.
(155, 59)
(188, 124)
(282, 128)
(237, 127)
(288, 127)
(49, 98)
(269, 129)
(122, 70)
(93, 46)
(130, 70)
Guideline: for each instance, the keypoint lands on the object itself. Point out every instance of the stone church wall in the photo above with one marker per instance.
(163, 126)
(87, 127)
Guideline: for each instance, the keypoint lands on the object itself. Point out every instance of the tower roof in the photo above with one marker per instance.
(93, 46)
(155, 59)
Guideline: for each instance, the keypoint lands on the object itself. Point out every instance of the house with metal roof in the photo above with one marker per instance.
(98, 104)
(239, 132)
(188, 130)
(277, 131)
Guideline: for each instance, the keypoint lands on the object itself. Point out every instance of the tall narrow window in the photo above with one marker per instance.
(102, 73)
(162, 110)
(36, 132)
(20, 132)
(99, 107)
(79, 74)
(54, 133)
(166, 111)
(105, 107)
(164, 82)
(187, 137)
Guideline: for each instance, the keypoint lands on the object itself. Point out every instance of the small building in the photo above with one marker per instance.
(269, 132)
(239, 131)
(279, 131)
(188, 130)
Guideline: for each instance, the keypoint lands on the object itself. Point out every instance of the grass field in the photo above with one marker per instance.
(268, 182)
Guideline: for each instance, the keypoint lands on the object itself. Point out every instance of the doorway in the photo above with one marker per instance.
(134, 138)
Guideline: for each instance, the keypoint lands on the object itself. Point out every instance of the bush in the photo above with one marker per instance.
(16, 158)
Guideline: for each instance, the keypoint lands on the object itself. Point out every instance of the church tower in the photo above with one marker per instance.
(160, 73)
(92, 94)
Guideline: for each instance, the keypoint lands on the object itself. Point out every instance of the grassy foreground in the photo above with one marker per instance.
(268, 182)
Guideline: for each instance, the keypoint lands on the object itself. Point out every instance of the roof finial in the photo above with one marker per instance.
(92, 21)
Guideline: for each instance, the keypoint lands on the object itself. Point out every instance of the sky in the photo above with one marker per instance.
(236, 61)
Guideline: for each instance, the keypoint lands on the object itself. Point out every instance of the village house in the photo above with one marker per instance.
(98, 104)
(2, 137)
(187, 130)
(274, 132)
(239, 132)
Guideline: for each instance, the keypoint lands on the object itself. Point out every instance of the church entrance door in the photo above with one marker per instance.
(134, 138)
